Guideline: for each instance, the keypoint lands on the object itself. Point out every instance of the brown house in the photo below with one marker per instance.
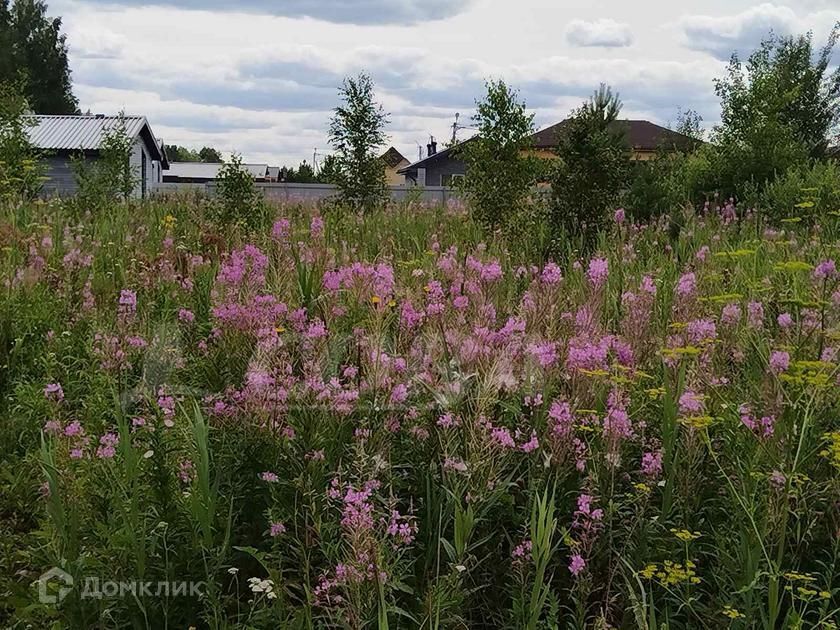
(394, 161)
(644, 138)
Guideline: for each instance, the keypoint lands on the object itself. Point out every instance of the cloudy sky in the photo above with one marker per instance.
(259, 76)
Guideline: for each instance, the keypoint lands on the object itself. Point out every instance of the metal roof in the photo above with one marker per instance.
(193, 170)
(210, 170)
(86, 133)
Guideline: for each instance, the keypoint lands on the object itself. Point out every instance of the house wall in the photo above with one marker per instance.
(437, 171)
(60, 179)
(392, 178)
(152, 168)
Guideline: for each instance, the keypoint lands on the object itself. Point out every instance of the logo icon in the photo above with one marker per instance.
(59, 578)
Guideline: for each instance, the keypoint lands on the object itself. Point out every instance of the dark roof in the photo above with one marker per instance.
(443, 153)
(642, 135)
(392, 157)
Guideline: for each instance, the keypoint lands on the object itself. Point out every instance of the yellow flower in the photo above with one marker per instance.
(685, 535)
(732, 613)
(392, 303)
(279, 329)
(375, 299)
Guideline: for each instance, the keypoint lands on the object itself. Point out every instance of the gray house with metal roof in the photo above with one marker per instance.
(63, 138)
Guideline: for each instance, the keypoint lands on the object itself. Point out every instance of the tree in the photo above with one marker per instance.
(209, 154)
(689, 123)
(20, 169)
(593, 169)
(33, 50)
(779, 109)
(356, 133)
(240, 202)
(305, 173)
(499, 173)
(177, 153)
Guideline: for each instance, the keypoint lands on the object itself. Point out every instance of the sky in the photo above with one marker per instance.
(261, 77)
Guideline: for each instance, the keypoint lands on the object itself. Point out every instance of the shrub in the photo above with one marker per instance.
(21, 170)
(239, 200)
(807, 192)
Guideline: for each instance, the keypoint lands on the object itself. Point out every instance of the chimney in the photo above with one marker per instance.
(429, 151)
(100, 116)
(434, 145)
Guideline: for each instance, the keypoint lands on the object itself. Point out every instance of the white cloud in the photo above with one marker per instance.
(720, 36)
(604, 32)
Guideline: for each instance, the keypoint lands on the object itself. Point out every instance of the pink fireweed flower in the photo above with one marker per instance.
(562, 420)
(619, 216)
(454, 464)
(186, 316)
(522, 551)
(280, 230)
(186, 471)
(53, 391)
(269, 477)
(687, 285)
(785, 320)
(702, 330)
(316, 226)
(598, 271)
(731, 315)
(545, 353)
(551, 274)
(276, 529)
(826, 269)
(576, 564)
(127, 302)
(691, 403)
(532, 444)
(779, 361)
(702, 253)
(106, 448)
(401, 528)
(755, 314)
(652, 464)
(502, 436)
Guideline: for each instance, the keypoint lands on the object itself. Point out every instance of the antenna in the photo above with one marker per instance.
(419, 150)
(457, 126)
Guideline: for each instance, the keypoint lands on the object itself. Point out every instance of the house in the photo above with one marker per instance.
(438, 168)
(204, 172)
(442, 168)
(274, 173)
(644, 138)
(394, 161)
(62, 138)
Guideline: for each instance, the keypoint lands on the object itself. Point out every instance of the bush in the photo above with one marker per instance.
(21, 170)
(239, 201)
(805, 192)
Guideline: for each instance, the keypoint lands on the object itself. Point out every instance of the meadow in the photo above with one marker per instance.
(399, 420)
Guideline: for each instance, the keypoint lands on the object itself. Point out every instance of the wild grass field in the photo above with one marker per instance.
(397, 420)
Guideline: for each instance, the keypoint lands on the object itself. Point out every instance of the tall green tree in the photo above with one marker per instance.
(357, 131)
(593, 169)
(209, 154)
(499, 173)
(778, 109)
(34, 50)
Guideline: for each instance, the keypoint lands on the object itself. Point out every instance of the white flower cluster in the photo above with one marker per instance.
(262, 586)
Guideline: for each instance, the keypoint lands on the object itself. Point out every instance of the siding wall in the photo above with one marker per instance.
(61, 181)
